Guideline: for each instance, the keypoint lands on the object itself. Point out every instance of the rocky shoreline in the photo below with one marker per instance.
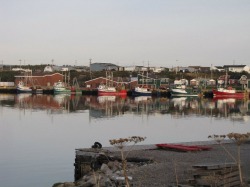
(158, 167)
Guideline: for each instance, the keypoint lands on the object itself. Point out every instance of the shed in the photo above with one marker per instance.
(194, 82)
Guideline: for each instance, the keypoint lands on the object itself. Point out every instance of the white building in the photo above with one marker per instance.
(237, 68)
(48, 69)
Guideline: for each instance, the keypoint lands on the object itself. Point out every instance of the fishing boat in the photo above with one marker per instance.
(105, 90)
(228, 92)
(141, 91)
(108, 89)
(75, 89)
(182, 90)
(22, 88)
(60, 87)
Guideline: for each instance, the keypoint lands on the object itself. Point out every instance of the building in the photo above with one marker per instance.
(43, 80)
(48, 69)
(237, 68)
(103, 66)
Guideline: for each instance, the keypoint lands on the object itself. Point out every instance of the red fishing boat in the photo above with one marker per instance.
(108, 89)
(228, 93)
(104, 90)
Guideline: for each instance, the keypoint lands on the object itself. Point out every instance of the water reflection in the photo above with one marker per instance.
(32, 125)
(113, 106)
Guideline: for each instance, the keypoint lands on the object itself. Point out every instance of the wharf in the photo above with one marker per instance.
(155, 93)
(8, 90)
(46, 90)
(151, 166)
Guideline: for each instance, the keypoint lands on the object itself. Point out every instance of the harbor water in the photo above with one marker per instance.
(39, 133)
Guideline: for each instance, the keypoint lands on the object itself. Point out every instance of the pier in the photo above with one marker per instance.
(142, 169)
(85, 91)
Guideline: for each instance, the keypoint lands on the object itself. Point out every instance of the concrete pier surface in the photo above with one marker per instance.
(172, 167)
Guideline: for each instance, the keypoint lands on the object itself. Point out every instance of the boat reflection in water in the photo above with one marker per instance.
(114, 106)
(42, 102)
(104, 99)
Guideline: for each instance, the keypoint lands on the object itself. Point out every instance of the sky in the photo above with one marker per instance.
(162, 33)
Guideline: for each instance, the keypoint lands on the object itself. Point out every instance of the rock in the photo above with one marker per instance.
(114, 165)
(103, 181)
(69, 184)
(58, 185)
(85, 184)
(86, 178)
(92, 180)
(111, 165)
(108, 182)
(66, 184)
(104, 168)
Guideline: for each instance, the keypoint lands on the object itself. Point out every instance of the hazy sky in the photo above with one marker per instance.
(125, 32)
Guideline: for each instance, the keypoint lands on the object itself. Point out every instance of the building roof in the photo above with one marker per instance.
(235, 66)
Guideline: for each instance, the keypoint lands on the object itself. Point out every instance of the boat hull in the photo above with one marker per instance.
(135, 93)
(237, 95)
(183, 92)
(58, 91)
(110, 93)
(24, 90)
(138, 91)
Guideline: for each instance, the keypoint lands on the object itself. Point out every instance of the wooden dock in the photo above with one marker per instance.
(224, 175)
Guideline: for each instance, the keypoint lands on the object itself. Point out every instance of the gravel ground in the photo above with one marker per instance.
(171, 166)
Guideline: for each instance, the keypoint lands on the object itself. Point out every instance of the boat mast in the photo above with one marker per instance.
(226, 79)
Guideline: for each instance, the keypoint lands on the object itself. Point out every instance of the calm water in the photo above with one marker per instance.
(39, 133)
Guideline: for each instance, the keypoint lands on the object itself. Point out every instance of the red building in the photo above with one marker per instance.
(94, 83)
(44, 80)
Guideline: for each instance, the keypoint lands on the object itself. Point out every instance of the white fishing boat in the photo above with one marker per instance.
(142, 91)
(22, 88)
(60, 87)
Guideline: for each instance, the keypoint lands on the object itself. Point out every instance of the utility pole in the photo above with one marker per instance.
(90, 68)
(211, 71)
(176, 67)
(20, 62)
(1, 70)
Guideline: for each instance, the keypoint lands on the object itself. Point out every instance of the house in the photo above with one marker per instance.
(194, 82)
(181, 82)
(234, 79)
(81, 68)
(211, 82)
(157, 69)
(132, 68)
(247, 69)
(217, 68)
(48, 69)
(236, 68)
(21, 69)
(204, 69)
